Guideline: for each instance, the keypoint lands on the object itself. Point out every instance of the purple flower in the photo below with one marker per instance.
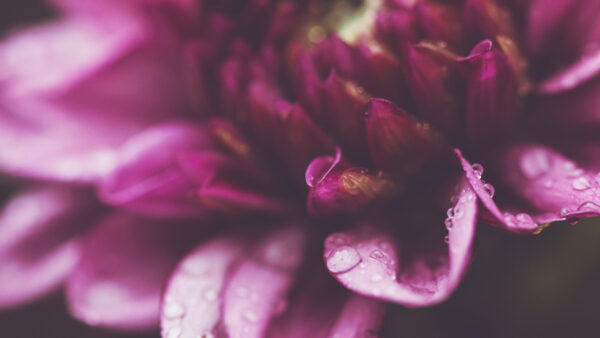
(195, 164)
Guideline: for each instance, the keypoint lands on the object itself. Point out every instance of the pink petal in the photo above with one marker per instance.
(249, 305)
(583, 70)
(425, 272)
(360, 317)
(509, 219)
(550, 182)
(320, 307)
(99, 100)
(56, 56)
(124, 266)
(570, 111)
(192, 302)
(39, 241)
(148, 180)
(560, 32)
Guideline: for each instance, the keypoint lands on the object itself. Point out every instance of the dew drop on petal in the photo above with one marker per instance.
(581, 183)
(380, 256)
(448, 223)
(251, 316)
(477, 170)
(588, 206)
(489, 189)
(447, 239)
(174, 332)
(210, 295)
(564, 212)
(535, 164)
(174, 310)
(343, 259)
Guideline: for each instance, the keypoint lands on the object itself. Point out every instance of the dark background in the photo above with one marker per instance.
(518, 286)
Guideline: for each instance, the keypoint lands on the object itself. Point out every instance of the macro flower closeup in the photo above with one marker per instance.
(291, 168)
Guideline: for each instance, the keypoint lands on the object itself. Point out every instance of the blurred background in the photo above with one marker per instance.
(517, 286)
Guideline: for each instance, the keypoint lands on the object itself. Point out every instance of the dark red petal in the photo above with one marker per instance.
(491, 95)
(397, 142)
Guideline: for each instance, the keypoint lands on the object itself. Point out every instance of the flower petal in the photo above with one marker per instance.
(425, 272)
(560, 32)
(578, 73)
(128, 83)
(192, 301)
(42, 58)
(148, 180)
(550, 182)
(397, 142)
(441, 22)
(360, 317)
(488, 19)
(431, 72)
(339, 188)
(286, 129)
(510, 219)
(39, 241)
(571, 112)
(114, 285)
(491, 95)
(249, 305)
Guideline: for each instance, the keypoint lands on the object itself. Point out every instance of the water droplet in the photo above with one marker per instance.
(376, 277)
(210, 295)
(564, 212)
(450, 212)
(196, 266)
(581, 183)
(174, 332)
(477, 170)
(535, 164)
(548, 183)
(174, 310)
(320, 167)
(447, 239)
(489, 189)
(449, 223)
(380, 256)
(384, 245)
(251, 316)
(588, 206)
(343, 259)
(458, 212)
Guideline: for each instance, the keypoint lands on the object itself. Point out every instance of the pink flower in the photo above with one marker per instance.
(195, 164)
